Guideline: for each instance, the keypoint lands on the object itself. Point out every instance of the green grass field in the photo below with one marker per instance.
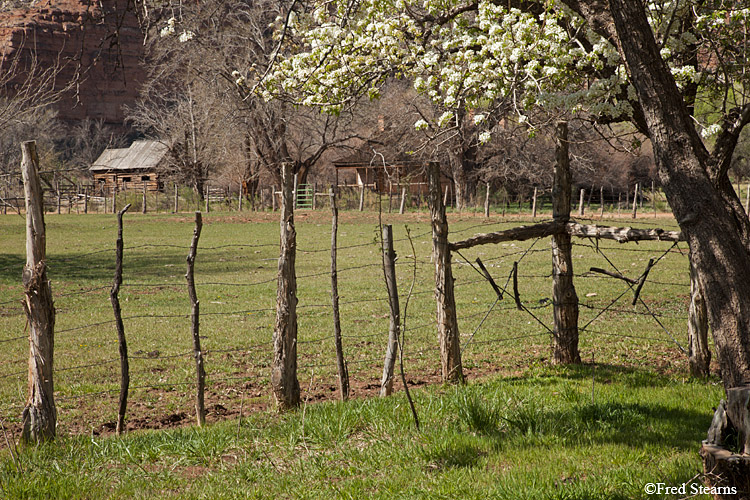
(520, 429)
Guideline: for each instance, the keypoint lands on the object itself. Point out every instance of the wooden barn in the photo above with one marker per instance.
(384, 170)
(130, 168)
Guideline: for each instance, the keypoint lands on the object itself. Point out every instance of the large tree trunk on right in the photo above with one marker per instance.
(698, 189)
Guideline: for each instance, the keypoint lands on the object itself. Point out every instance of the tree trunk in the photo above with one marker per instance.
(698, 189)
(447, 322)
(564, 298)
(40, 414)
(284, 367)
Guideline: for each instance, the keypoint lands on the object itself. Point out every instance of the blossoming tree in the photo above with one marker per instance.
(676, 69)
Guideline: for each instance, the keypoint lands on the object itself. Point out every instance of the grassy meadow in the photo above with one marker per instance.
(519, 429)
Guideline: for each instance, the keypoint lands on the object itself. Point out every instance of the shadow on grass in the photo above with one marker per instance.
(532, 407)
(146, 263)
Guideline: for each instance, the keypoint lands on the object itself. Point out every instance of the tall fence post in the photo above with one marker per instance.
(85, 199)
(239, 199)
(59, 197)
(487, 200)
(143, 208)
(580, 201)
(208, 198)
(295, 193)
(114, 198)
(122, 343)
(389, 269)
(273, 198)
(362, 197)
(39, 418)
(284, 366)
(447, 322)
(635, 201)
(200, 372)
(533, 205)
(176, 199)
(403, 201)
(699, 355)
(341, 364)
(564, 298)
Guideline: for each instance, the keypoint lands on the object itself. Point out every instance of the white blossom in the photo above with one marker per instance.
(445, 118)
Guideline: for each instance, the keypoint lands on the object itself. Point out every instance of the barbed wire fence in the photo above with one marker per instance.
(236, 331)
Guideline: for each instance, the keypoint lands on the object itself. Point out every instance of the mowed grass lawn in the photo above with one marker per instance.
(519, 429)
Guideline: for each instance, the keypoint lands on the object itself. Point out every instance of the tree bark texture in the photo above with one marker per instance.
(340, 362)
(564, 298)
(448, 336)
(40, 414)
(394, 329)
(121, 341)
(698, 189)
(284, 366)
(200, 371)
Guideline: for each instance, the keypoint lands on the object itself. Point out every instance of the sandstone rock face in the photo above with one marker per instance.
(97, 44)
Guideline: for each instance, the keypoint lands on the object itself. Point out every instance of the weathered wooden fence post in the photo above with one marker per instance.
(122, 343)
(176, 199)
(564, 298)
(362, 197)
(635, 201)
(284, 366)
(39, 418)
(114, 198)
(487, 200)
(341, 364)
(403, 201)
(85, 199)
(699, 355)
(295, 193)
(239, 199)
(200, 372)
(447, 322)
(394, 329)
(533, 205)
(580, 203)
(208, 198)
(273, 198)
(143, 199)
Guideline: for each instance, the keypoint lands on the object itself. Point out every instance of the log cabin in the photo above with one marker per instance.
(130, 168)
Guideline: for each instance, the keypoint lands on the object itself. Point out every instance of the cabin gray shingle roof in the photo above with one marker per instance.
(141, 155)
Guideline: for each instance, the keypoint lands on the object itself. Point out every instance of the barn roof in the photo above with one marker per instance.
(141, 155)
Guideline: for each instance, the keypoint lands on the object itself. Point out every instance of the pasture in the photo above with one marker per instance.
(521, 429)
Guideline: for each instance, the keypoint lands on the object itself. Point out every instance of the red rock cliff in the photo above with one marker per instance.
(99, 45)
